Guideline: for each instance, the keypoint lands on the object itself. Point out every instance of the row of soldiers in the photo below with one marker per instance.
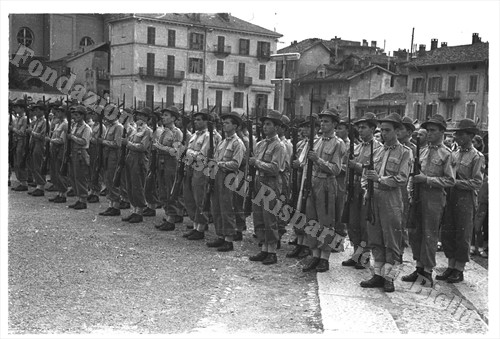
(365, 180)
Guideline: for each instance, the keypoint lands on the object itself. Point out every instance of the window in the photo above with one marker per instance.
(434, 85)
(449, 111)
(171, 38)
(418, 113)
(170, 96)
(86, 41)
(196, 41)
(340, 89)
(262, 72)
(431, 109)
(25, 36)
(392, 80)
(263, 49)
(220, 67)
(471, 110)
(218, 99)
(151, 35)
(221, 41)
(195, 65)
(473, 83)
(150, 64)
(238, 99)
(417, 85)
(194, 97)
(150, 96)
(244, 47)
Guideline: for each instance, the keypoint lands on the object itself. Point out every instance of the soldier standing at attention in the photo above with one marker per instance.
(268, 157)
(320, 206)
(342, 132)
(95, 176)
(391, 170)
(80, 159)
(151, 187)
(37, 148)
(57, 144)
(167, 166)
(111, 152)
(456, 234)
(229, 156)
(126, 119)
(19, 129)
(357, 227)
(195, 181)
(136, 164)
(285, 170)
(436, 174)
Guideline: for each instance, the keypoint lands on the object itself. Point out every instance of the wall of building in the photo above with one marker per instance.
(35, 22)
(311, 59)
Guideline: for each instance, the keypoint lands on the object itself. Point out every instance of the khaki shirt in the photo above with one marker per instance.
(269, 154)
(113, 135)
(168, 138)
(436, 164)
(140, 139)
(59, 133)
(468, 164)
(230, 153)
(82, 131)
(392, 163)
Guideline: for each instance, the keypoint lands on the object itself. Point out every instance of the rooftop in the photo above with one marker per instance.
(477, 52)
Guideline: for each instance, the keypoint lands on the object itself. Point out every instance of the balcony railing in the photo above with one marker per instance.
(449, 95)
(222, 50)
(161, 73)
(242, 81)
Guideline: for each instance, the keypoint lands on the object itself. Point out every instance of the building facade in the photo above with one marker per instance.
(451, 81)
(192, 57)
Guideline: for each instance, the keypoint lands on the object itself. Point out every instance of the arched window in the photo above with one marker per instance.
(86, 41)
(25, 36)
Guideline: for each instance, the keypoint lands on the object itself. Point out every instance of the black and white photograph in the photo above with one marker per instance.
(253, 168)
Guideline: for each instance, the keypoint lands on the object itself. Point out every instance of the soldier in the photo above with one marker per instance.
(404, 137)
(268, 157)
(57, 145)
(456, 233)
(357, 226)
(150, 188)
(228, 156)
(19, 139)
(37, 148)
(80, 159)
(391, 170)
(167, 146)
(436, 174)
(111, 143)
(301, 250)
(136, 164)
(327, 158)
(342, 132)
(126, 119)
(95, 173)
(238, 199)
(195, 181)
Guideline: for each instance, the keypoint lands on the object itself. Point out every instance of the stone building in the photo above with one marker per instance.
(451, 81)
(199, 57)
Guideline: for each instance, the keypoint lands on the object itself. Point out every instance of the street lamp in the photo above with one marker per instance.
(284, 57)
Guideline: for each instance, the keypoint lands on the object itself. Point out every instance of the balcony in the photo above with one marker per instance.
(264, 56)
(449, 95)
(242, 81)
(221, 50)
(161, 74)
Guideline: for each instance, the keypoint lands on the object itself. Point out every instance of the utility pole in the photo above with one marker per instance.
(284, 57)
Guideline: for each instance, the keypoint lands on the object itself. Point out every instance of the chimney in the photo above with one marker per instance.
(365, 43)
(421, 50)
(434, 44)
(294, 42)
(475, 38)
(444, 44)
(374, 43)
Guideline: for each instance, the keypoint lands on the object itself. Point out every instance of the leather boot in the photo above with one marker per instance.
(295, 252)
(445, 275)
(311, 265)
(455, 277)
(388, 285)
(412, 277)
(216, 243)
(270, 259)
(375, 281)
(323, 265)
(226, 247)
(259, 257)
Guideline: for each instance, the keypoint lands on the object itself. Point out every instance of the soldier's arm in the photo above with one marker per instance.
(473, 183)
(334, 165)
(401, 177)
(272, 167)
(238, 155)
(448, 178)
(144, 144)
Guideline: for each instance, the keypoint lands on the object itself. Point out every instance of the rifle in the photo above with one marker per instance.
(249, 170)
(306, 190)
(414, 194)
(123, 153)
(100, 150)
(211, 181)
(152, 164)
(370, 217)
(350, 171)
(67, 153)
(179, 174)
(27, 141)
(45, 164)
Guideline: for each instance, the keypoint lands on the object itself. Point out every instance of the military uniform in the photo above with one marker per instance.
(37, 151)
(19, 137)
(136, 167)
(57, 147)
(124, 199)
(151, 185)
(95, 175)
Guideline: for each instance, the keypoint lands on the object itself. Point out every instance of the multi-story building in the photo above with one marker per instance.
(195, 57)
(451, 81)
